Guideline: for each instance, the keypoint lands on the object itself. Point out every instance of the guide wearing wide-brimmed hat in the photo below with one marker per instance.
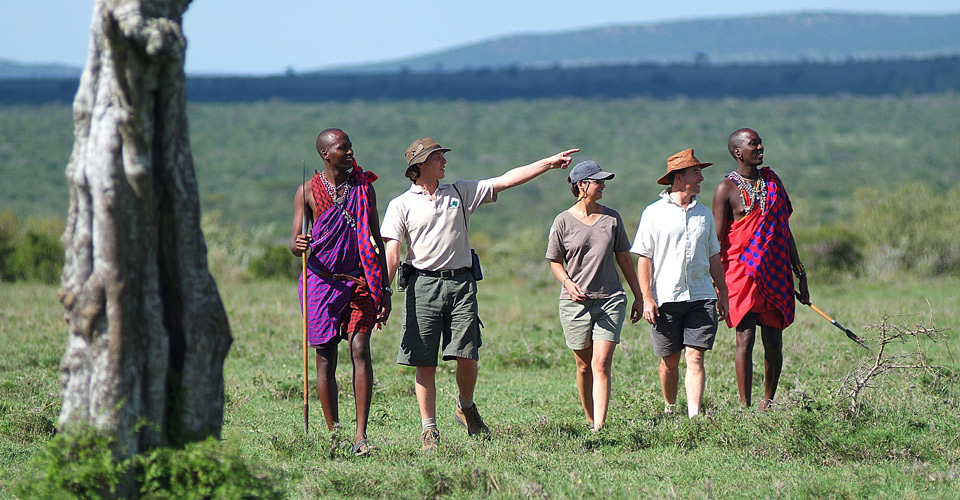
(431, 218)
(680, 161)
(420, 149)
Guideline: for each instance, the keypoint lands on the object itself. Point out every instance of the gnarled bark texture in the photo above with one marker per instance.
(148, 333)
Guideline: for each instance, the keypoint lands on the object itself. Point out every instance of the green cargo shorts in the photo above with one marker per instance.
(439, 313)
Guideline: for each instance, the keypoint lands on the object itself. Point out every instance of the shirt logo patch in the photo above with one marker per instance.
(454, 204)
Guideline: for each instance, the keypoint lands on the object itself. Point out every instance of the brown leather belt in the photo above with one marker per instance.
(342, 277)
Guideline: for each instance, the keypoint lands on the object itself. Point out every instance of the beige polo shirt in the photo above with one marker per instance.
(433, 227)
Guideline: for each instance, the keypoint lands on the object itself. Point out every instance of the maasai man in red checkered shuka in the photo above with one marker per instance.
(752, 213)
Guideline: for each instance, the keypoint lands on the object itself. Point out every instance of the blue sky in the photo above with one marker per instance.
(262, 37)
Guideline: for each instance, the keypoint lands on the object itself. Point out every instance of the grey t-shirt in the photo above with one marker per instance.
(588, 252)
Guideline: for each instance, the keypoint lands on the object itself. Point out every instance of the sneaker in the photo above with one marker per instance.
(430, 439)
(669, 409)
(470, 419)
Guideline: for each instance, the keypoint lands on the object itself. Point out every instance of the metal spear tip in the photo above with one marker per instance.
(856, 339)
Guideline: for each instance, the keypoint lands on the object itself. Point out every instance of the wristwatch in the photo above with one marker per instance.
(388, 290)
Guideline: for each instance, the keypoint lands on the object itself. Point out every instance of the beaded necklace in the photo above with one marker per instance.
(338, 198)
(756, 193)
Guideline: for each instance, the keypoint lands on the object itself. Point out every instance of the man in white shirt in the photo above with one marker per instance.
(440, 304)
(680, 274)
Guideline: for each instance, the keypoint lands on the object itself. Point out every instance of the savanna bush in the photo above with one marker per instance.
(82, 465)
(911, 229)
(833, 252)
(233, 250)
(276, 262)
(9, 228)
(30, 251)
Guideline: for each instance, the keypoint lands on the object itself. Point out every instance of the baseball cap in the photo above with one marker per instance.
(588, 169)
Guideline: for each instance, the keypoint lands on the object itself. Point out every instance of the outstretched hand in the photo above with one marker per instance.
(562, 159)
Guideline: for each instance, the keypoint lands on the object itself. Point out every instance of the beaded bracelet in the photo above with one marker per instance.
(799, 271)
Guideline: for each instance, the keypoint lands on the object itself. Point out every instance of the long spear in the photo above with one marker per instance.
(849, 333)
(303, 230)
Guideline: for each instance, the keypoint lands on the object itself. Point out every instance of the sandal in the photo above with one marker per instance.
(362, 448)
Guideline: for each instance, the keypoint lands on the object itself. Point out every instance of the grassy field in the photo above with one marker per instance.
(902, 445)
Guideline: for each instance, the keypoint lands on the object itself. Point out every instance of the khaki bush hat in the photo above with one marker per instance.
(420, 149)
(680, 161)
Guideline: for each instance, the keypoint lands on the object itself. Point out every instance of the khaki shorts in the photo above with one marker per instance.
(439, 313)
(592, 319)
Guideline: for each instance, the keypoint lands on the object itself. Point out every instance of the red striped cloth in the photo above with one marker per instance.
(368, 250)
(756, 258)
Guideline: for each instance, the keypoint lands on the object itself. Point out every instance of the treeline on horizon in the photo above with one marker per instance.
(855, 77)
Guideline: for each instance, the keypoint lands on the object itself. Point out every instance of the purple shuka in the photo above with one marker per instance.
(342, 244)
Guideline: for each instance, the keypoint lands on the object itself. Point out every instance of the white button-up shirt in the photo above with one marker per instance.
(680, 243)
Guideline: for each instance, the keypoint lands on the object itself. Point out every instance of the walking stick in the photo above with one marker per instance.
(849, 333)
(303, 230)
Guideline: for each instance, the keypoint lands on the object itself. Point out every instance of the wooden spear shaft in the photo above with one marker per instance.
(303, 258)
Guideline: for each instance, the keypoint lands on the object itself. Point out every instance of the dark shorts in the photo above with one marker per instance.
(439, 314)
(682, 324)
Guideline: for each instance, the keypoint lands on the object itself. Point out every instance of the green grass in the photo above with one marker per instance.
(903, 445)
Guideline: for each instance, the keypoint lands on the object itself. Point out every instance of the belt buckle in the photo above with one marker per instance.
(447, 273)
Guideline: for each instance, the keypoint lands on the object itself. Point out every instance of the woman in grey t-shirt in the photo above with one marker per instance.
(585, 242)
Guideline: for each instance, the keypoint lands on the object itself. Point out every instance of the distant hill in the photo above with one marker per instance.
(11, 70)
(813, 36)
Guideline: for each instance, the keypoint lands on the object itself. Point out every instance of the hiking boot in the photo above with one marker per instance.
(470, 419)
(430, 439)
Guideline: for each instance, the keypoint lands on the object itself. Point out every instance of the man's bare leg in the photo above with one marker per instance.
(743, 358)
(467, 371)
(669, 373)
(426, 388)
(327, 384)
(695, 379)
(362, 380)
(772, 363)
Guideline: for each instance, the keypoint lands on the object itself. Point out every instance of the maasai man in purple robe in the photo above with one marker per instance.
(346, 289)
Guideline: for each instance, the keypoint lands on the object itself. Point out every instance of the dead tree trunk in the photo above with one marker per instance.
(148, 333)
